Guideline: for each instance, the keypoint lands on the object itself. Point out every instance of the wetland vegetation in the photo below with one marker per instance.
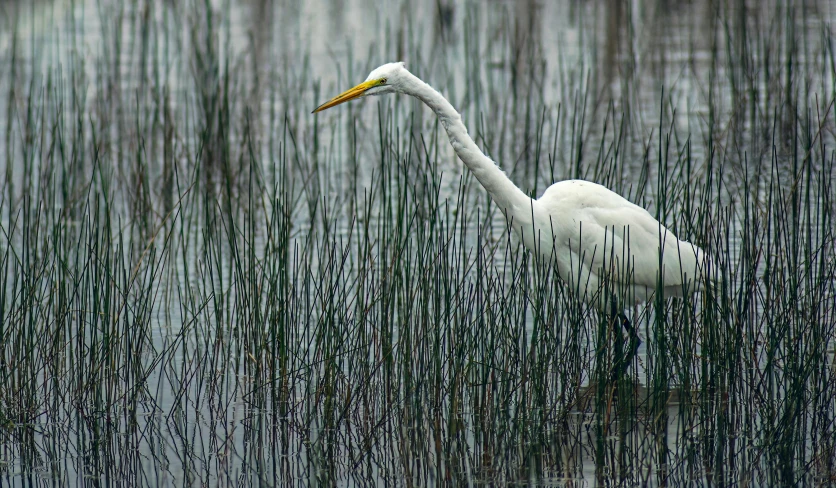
(205, 284)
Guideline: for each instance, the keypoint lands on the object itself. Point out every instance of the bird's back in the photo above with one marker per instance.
(600, 235)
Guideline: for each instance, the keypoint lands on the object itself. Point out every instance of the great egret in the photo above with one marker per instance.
(593, 235)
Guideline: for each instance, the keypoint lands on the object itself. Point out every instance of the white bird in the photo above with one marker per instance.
(593, 235)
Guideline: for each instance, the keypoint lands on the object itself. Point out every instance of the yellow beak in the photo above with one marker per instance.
(347, 95)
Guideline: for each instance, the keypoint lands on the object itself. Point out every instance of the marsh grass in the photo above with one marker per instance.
(204, 284)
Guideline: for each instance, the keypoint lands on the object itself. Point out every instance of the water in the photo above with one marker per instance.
(612, 93)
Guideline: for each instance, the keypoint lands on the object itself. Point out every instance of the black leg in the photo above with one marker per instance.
(621, 361)
(635, 341)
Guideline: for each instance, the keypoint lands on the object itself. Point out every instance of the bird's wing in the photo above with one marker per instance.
(625, 241)
(604, 232)
(632, 231)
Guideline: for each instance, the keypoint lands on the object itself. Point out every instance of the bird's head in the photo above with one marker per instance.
(389, 78)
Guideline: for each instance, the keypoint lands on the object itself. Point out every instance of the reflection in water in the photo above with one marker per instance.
(614, 46)
(207, 284)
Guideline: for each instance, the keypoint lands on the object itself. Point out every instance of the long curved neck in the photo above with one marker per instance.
(502, 190)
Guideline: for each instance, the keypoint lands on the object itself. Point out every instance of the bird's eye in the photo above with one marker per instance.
(383, 81)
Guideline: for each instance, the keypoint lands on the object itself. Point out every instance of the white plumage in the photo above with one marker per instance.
(588, 231)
